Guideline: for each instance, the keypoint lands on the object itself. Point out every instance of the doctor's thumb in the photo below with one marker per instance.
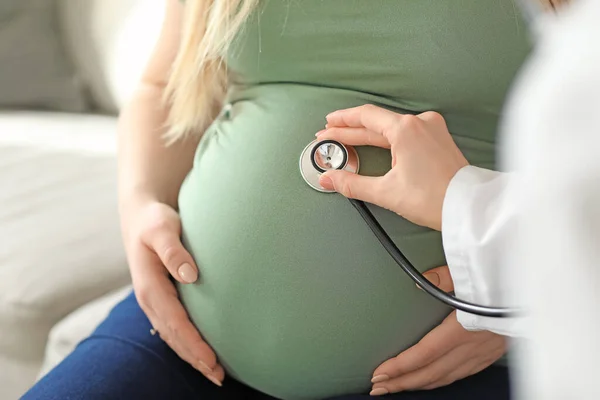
(352, 186)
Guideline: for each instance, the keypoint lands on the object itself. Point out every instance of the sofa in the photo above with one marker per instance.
(62, 264)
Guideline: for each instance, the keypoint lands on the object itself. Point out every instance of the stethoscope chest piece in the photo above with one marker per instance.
(325, 155)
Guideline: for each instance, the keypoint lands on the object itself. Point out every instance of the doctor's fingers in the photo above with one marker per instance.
(354, 137)
(376, 119)
(440, 277)
(162, 237)
(366, 188)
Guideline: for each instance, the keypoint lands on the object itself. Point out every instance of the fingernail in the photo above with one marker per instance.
(378, 392)
(326, 182)
(326, 126)
(205, 367)
(214, 380)
(432, 277)
(380, 378)
(187, 273)
(322, 131)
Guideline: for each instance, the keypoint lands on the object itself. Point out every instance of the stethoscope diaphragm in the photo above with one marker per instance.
(320, 156)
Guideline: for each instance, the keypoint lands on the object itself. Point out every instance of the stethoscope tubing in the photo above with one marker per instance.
(419, 279)
(310, 171)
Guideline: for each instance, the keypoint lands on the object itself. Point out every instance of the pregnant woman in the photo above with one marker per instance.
(282, 291)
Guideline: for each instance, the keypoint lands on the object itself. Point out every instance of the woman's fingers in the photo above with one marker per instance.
(446, 354)
(162, 237)
(159, 329)
(413, 359)
(158, 298)
(215, 374)
(155, 253)
(437, 343)
(354, 137)
(169, 310)
(431, 375)
(464, 370)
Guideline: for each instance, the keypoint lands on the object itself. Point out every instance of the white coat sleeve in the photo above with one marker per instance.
(477, 220)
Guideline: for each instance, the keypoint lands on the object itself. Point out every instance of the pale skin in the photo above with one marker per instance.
(150, 176)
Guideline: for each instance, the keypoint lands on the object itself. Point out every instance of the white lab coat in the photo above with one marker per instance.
(532, 237)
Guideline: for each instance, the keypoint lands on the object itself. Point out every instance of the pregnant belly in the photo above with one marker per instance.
(296, 296)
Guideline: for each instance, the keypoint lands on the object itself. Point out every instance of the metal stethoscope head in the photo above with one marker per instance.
(325, 155)
(320, 156)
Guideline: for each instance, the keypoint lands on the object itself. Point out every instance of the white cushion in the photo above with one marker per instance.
(69, 332)
(110, 42)
(60, 243)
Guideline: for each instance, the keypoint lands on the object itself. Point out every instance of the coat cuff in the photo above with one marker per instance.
(458, 214)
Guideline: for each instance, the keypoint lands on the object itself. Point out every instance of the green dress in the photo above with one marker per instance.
(296, 296)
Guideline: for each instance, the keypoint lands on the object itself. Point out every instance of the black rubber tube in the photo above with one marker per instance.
(419, 279)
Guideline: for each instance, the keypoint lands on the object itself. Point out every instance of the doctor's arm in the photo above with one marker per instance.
(478, 217)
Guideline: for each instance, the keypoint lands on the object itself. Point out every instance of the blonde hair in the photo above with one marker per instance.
(198, 81)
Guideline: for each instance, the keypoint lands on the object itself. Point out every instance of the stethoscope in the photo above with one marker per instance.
(320, 156)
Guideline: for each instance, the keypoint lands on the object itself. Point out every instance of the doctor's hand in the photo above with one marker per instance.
(446, 354)
(424, 161)
(151, 232)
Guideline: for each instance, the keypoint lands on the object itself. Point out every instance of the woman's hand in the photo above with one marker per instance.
(424, 161)
(154, 250)
(446, 354)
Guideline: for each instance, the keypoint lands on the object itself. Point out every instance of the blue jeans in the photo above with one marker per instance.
(122, 361)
